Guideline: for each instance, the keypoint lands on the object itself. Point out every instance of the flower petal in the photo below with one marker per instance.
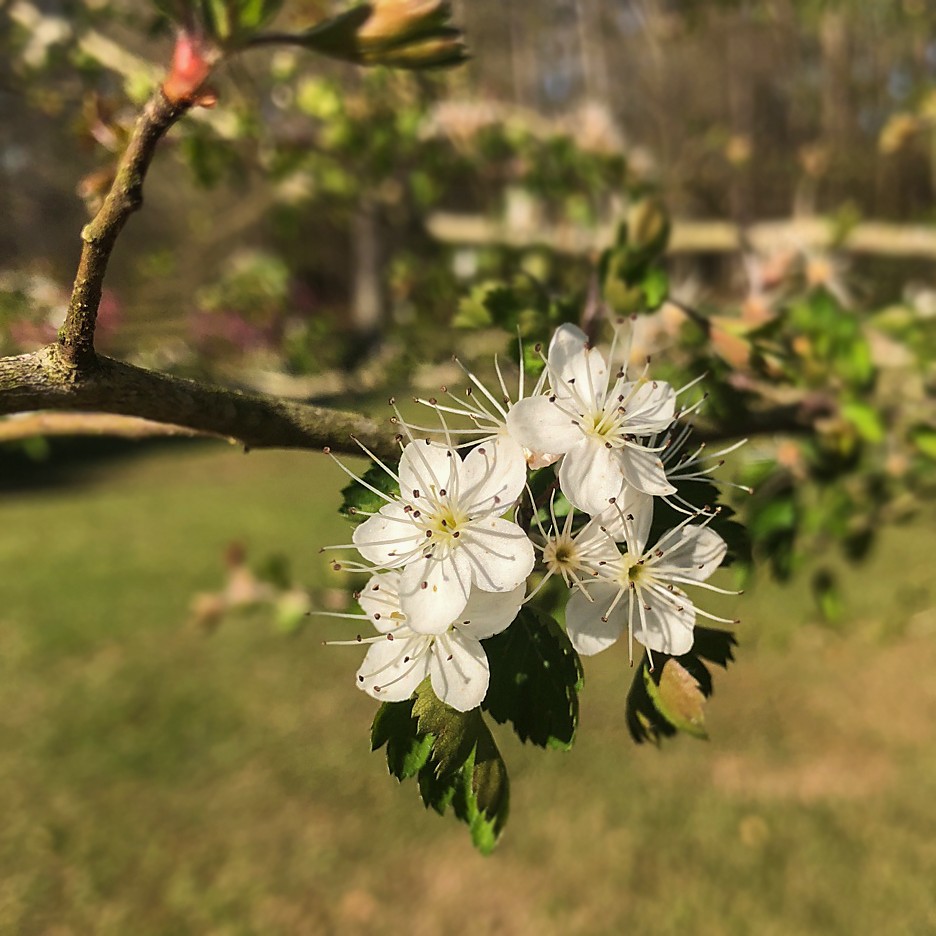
(587, 631)
(634, 507)
(392, 669)
(577, 370)
(489, 613)
(644, 470)
(649, 406)
(542, 427)
(389, 538)
(499, 553)
(425, 467)
(492, 477)
(694, 552)
(459, 671)
(434, 591)
(380, 601)
(590, 475)
(668, 628)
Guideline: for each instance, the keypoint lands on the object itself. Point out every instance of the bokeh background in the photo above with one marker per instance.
(178, 751)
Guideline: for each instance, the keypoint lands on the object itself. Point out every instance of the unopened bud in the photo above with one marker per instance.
(192, 62)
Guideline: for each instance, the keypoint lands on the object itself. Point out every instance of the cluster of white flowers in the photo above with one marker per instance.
(448, 563)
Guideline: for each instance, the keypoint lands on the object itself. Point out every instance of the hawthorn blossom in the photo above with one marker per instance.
(577, 555)
(406, 651)
(596, 423)
(641, 591)
(446, 531)
(487, 411)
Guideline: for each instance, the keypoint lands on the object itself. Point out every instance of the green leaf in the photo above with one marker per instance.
(670, 697)
(828, 595)
(454, 758)
(358, 500)
(401, 35)
(866, 420)
(924, 438)
(678, 697)
(536, 677)
(407, 750)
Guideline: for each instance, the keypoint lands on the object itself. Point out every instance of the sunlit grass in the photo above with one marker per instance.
(157, 779)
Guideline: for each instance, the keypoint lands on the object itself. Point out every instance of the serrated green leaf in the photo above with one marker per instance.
(454, 758)
(536, 677)
(455, 733)
(407, 750)
(358, 500)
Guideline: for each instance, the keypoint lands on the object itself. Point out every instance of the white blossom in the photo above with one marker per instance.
(641, 591)
(578, 555)
(596, 420)
(487, 411)
(446, 531)
(407, 650)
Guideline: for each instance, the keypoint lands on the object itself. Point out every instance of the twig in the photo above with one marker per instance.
(76, 337)
(29, 425)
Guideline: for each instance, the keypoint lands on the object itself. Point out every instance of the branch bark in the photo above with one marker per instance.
(76, 337)
(43, 380)
(47, 380)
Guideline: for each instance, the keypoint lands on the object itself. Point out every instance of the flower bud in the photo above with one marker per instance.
(191, 65)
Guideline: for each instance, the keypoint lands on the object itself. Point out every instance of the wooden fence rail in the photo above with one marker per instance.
(868, 237)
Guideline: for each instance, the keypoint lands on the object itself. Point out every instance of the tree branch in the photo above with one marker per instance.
(30, 425)
(76, 336)
(44, 381)
(47, 380)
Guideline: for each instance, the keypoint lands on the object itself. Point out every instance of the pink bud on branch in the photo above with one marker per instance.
(192, 62)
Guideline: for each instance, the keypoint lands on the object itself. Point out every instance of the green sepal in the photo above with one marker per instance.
(660, 704)
(536, 678)
(357, 500)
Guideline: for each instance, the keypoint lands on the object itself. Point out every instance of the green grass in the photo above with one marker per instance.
(159, 780)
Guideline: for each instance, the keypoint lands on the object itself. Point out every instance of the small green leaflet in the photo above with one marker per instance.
(454, 758)
(536, 677)
(358, 500)
(670, 698)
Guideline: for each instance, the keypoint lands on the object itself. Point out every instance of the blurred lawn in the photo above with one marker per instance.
(156, 780)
